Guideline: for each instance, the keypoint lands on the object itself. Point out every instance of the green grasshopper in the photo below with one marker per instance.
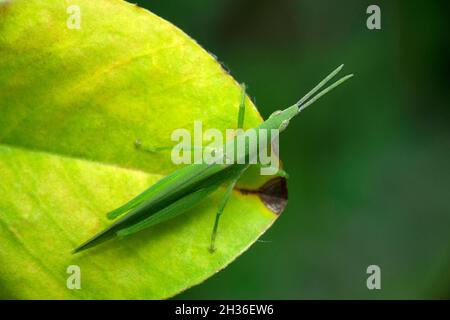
(183, 189)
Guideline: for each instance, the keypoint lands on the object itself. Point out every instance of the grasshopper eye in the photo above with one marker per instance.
(275, 113)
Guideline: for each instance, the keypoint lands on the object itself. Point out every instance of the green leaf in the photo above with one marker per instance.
(72, 103)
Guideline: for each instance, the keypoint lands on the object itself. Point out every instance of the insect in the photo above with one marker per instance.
(184, 188)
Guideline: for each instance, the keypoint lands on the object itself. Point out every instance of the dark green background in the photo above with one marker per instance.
(369, 164)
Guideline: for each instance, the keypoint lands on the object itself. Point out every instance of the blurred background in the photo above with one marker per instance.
(369, 165)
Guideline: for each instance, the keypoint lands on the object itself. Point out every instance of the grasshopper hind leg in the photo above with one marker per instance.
(222, 205)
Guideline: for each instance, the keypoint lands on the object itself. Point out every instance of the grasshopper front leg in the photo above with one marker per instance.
(222, 205)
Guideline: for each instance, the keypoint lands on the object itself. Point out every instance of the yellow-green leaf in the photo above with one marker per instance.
(72, 103)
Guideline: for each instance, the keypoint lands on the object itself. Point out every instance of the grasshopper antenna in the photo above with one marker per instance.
(306, 101)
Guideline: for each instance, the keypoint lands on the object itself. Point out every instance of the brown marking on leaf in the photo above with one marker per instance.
(273, 194)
